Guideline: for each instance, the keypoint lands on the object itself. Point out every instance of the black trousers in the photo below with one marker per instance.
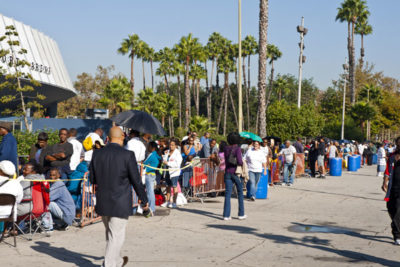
(393, 207)
(312, 166)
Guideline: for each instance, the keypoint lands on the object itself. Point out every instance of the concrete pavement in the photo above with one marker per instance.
(348, 214)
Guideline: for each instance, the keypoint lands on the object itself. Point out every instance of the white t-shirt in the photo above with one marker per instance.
(332, 152)
(361, 149)
(12, 187)
(265, 150)
(288, 153)
(76, 155)
(138, 148)
(381, 156)
(255, 159)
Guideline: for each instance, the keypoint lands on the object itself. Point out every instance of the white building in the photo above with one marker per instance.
(47, 65)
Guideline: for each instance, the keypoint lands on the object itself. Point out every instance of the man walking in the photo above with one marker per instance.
(321, 158)
(114, 169)
(290, 163)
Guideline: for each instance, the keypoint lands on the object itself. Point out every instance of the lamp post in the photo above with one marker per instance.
(345, 68)
(302, 59)
(240, 122)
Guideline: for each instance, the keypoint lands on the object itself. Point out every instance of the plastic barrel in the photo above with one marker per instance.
(335, 167)
(358, 161)
(351, 164)
(374, 159)
(262, 187)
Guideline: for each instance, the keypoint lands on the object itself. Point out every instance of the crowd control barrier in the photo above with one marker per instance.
(206, 179)
(88, 213)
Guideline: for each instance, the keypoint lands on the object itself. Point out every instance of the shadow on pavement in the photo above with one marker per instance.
(201, 212)
(335, 194)
(65, 255)
(310, 242)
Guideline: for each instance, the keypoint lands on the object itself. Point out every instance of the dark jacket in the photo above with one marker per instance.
(234, 149)
(114, 169)
(8, 149)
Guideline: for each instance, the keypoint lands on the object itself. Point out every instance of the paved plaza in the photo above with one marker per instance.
(339, 221)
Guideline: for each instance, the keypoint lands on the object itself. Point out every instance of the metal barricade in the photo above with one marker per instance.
(207, 179)
(88, 215)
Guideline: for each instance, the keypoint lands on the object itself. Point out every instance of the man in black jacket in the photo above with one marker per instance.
(114, 169)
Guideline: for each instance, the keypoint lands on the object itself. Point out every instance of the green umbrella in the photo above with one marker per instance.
(251, 136)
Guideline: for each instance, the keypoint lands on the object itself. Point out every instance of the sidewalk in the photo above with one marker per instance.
(351, 207)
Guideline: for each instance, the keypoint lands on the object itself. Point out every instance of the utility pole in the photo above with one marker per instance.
(345, 68)
(240, 122)
(302, 59)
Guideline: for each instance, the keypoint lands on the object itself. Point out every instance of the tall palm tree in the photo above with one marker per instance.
(188, 49)
(166, 58)
(273, 54)
(142, 54)
(213, 49)
(177, 70)
(251, 49)
(352, 11)
(130, 46)
(262, 66)
(150, 57)
(363, 29)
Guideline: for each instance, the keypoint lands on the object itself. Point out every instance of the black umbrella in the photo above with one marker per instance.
(277, 139)
(140, 121)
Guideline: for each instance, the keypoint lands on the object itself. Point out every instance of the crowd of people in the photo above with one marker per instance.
(167, 163)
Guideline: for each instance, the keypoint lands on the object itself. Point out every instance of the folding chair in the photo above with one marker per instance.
(40, 202)
(8, 200)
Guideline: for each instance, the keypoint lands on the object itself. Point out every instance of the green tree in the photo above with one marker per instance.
(131, 46)
(188, 49)
(362, 112)
(18, 83)
(352, 11)
(201, 124)
(116, 96)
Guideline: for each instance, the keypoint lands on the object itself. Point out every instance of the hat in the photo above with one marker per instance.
(100, 141)
(5, 125)
(7, 167)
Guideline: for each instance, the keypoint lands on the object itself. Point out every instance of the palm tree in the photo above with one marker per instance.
(251, 49)
(166, 58)
(213, 49)
(150, 57)
(352, 11)
(362, 29)
(187, 49)
(196, 73)
(130, 46)
(116, 96)
(273, 54)
(177, 70)
(262, 66)
(143, 53)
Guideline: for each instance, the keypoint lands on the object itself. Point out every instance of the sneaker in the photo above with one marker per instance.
(397, 242)
(165, 204)
(289, 184)
(227, 218)
(283, 184)
(253, 199)
(172, 205)
(48, 232)
(242, 217)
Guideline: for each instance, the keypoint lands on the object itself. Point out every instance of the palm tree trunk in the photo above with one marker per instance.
(198, 97)
(166, 83)
(226, 86)
(194, 93)
(362, 52)
(132, 78)
(353, 67)
(187, 96)
(179, 100)
(144, 76)
(207, 92)
(224, 95)
(271, 84)
(152, 74)
(262, 64)
(233, 107)
(246, 91)
(209, 111)
(248, 71)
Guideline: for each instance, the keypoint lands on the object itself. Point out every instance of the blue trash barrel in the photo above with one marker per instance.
(358, 161)
(351, 164)
(374, 159)
(335, 167)
(262, 187)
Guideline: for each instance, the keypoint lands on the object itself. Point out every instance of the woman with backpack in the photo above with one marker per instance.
(233, 158)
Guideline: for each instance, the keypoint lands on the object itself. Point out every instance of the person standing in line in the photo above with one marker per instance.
(332, 150)
(77, 154)
(173, 160)
(8, 145)
(381, 160)
(114, 170)
(312, 157)
(153, 161)
(289, 153)
(360, 148)
(90, 141)
(136, 146)
(38, 150)
(256, 161)
(205, 138)
(321, 158)
(59, 155)
(299, 146)
(233, 158)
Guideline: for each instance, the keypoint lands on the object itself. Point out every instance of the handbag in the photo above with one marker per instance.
(232, 160)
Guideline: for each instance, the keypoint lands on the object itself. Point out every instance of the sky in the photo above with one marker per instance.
(89, 32)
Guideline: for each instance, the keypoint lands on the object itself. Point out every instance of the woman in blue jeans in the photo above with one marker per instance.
(152, 162)
(231, 153)
(256, 160)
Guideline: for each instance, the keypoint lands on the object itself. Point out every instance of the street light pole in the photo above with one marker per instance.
(345, 68)
(240, 122)
(302, 31)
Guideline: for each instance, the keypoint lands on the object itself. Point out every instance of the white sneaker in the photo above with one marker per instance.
(397, 242)
(242, 217)
(227, 218)
(172, 205)
(165, 204)
(283, 184)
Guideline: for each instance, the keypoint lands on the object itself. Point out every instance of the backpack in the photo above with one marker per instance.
(88, 143)
(232, 158)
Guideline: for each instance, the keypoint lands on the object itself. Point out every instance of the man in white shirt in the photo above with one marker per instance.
(137, 147)
(289, 153)
(360, 148)
(77, 155)
(95, 136)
